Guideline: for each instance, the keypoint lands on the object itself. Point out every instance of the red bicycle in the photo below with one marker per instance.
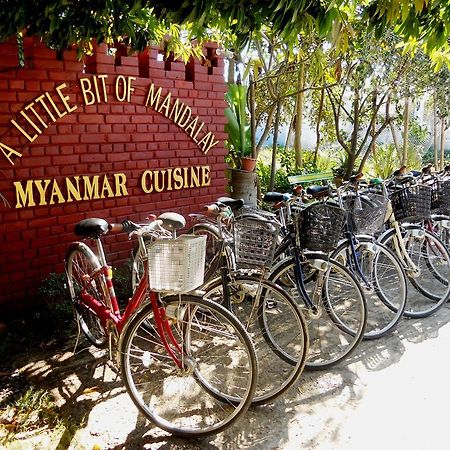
(187, 363)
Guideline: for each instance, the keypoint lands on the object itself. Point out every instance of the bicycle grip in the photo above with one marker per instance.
(127, 226)
(211, 210)
(115, 228)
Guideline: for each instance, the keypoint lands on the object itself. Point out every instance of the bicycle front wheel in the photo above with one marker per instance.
(82, 270)
(337, 320)
(216, 381)
(276, 325)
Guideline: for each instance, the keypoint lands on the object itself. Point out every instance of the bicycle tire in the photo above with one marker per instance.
(80, 263)
(430, 291)
(386, 293)
(277, 327)
(216, 385)
(332, 335)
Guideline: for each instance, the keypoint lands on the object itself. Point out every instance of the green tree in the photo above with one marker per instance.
(367, 83)
(61, 23)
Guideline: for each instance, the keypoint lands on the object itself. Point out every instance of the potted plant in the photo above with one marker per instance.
(242, 177)
(238, 128)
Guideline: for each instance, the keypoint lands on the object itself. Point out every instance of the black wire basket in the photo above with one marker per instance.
(440, 196)
(366, 214)
(412, 203)
(320, 226)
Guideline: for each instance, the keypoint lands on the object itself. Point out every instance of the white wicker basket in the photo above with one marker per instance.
(176, 265)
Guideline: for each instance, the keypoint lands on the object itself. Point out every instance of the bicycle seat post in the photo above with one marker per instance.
(100, 252)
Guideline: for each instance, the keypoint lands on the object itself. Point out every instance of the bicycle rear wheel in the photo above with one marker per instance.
(277, 327)
(384, 283)
(214, 244)
(338, 325)
(81, 263)
(217, 380)
(431, 279)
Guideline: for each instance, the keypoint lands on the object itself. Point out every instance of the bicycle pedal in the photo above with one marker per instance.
(114, 364)
(320, 264)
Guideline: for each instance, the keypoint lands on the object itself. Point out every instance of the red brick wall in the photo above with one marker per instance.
(103, 138)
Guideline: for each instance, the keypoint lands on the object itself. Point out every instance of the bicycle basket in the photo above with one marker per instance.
(176, 265)
(320, 226)
(255, 242)
(412, 203)
(440, 196)
(366, 215)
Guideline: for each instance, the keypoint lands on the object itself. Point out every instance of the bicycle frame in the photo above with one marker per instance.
(110, 314)
(290, 243)
(225, 260)
(350, 236)
(400, 248)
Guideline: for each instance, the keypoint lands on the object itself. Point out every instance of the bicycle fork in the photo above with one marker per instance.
(411, 268)
(162, 321)
(313, 303)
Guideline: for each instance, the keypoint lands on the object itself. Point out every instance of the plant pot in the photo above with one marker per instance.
(248, 164)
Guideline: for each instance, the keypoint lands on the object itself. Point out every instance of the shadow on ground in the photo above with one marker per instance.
(96, 410)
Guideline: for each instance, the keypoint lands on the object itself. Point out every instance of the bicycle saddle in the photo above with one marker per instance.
(318, 191)
(232, 203)
(172, 221)
(274, 197)
(91, 228)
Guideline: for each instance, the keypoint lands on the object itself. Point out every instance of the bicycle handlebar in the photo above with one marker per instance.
(167, 221)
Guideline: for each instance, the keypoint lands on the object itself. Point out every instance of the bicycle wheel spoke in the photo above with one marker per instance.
(337, 324)
(82, 268)
(276, 327)
(215, 382)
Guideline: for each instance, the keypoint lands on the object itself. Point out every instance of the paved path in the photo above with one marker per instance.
(393, 393)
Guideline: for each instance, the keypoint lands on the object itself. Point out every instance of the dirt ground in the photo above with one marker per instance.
(392, 393)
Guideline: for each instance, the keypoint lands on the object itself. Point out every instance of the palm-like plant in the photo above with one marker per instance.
(238, 126)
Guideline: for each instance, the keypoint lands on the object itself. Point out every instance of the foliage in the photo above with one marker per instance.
(122, 283)
(366, 89)
(264, 172)
(238, 125)
(383, 161)
(52, 316)
(54, 294)
(33, 409)
(61, 23)
(55, 305)
(414, 158)
(286, 168)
